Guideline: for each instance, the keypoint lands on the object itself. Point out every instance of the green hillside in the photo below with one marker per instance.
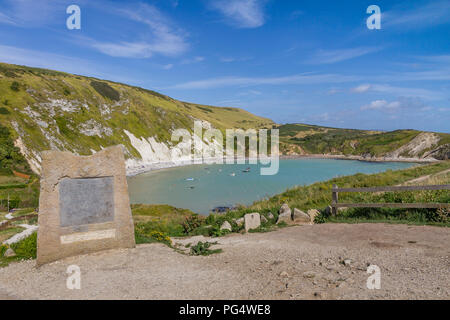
(55, 110)
(310, 139)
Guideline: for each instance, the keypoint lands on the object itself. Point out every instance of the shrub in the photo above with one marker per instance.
(105, 90)
(160, 237)
(15, 86)
(192, 222)
(3, 110)
(203, 249)
(439, 215)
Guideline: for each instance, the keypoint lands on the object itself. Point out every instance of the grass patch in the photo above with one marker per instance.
(203, 249)
(25, 249)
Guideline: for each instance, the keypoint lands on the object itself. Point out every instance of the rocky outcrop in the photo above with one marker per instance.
(413, 149)
(440, 153)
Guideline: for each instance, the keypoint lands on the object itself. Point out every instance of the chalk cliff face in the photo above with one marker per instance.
(50, 110)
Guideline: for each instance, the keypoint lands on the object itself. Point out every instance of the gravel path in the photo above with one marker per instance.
(293, 263)
(29, 229)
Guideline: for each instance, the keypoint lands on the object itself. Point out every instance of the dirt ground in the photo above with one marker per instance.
(302, 262)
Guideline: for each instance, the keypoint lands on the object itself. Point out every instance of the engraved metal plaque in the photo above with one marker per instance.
(86, 201)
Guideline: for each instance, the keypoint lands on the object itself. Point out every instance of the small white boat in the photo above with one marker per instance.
(233, 174)
(190, 179)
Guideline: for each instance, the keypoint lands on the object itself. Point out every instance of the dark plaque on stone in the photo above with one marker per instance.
(86, 201)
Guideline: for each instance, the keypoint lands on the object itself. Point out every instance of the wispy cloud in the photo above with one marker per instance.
(361, 88)
(333, 56)
(166, 40)
(197, 59)
(5, 19)
(232, 59)
(241, 13)
(400, 91)
(30, 14)
(431, 14)
(251, 81)
(401, 104)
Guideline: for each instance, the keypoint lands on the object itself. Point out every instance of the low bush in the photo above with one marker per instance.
(15, 86)
(203, 249)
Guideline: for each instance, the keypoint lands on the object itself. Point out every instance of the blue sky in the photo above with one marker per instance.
(292, 61)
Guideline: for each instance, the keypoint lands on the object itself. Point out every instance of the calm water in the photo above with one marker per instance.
(214, 185)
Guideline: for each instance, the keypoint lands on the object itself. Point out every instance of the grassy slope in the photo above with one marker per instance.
(143, 112)
(322, 140)
(318, 195)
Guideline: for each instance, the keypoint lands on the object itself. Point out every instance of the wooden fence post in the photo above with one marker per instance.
(335, 198)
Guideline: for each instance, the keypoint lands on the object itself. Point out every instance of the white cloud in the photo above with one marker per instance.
(251, 81)
(165, 39)
(333, 56)
(401, 104)
(168, 66)
(242, 13)
(400, 91)
(362, 88)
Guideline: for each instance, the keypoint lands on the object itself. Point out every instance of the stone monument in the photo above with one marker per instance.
(84, 204)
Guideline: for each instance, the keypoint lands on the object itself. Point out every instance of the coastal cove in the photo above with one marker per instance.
(202, 187)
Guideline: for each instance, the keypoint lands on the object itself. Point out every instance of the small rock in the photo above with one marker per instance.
(270, 216)
(313, 213)
(263, 219)
(309, 274)
(252, 221)
(284, 274)
(285, 214)
(239, 221)
(298, 216)
(226, 226)
(347, 262)
(9, 253)
(330, 267)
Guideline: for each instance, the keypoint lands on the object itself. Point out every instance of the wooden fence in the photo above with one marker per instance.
(336, 190)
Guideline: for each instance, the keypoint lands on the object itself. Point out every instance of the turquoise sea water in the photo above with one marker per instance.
(204, 187)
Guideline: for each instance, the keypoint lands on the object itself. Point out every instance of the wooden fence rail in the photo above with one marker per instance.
(336, 190)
